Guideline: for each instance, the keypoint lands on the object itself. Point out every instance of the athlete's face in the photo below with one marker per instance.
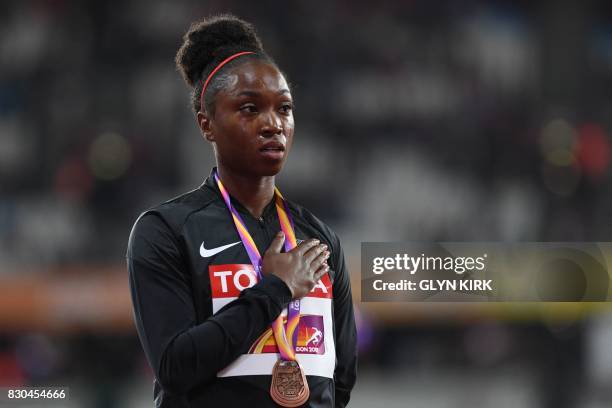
(252, 128)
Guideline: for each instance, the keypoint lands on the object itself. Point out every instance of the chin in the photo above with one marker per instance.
(274, 170)
(271, 169)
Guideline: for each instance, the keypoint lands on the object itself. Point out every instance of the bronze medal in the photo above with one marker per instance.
(289, 387)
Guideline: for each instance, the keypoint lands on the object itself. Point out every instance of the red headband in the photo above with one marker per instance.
(214, 71)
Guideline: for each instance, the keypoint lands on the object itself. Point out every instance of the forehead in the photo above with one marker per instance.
(259, 76)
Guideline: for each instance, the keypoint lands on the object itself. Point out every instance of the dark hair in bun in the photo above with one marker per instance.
(209, 42)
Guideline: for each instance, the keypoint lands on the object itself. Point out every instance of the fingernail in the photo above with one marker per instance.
(324, 246)
(281, 234)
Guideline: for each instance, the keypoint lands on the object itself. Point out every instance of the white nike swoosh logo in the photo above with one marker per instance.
(205, 253)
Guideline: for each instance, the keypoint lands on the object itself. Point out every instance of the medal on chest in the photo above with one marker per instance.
(289, 387)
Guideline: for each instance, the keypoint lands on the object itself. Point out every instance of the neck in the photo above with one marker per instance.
(253, 192)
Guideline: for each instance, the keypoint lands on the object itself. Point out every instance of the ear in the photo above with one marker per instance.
(205, 125)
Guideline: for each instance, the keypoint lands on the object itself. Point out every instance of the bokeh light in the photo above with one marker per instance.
(110, 156)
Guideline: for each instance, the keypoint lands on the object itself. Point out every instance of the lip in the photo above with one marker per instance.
(272, 146)
(273, 150)
(272, 154)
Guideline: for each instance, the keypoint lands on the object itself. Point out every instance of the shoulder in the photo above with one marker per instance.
(177, 210)
(161, 225)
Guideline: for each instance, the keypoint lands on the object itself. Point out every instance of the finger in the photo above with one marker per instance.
(323, 269)
(318, 260)
(277, 243)
(313, 253)
(305, 246)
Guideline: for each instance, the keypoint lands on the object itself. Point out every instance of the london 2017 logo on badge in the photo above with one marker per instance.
(309, 338)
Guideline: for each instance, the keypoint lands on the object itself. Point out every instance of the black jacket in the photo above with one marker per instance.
(204, 321)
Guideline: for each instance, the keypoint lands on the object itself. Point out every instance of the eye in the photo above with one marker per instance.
(286, 108)
(248, 108)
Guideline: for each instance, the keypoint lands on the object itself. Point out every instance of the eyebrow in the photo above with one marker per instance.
(255, 93)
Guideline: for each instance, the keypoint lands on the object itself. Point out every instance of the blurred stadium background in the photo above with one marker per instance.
(416, 120)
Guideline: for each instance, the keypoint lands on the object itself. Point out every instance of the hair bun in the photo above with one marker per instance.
(212, 40)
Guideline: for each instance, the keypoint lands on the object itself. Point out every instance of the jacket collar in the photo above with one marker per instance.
(212, 184)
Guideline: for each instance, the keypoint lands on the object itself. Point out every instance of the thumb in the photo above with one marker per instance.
(277, 244)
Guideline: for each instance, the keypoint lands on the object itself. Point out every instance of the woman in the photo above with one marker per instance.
(220, 323)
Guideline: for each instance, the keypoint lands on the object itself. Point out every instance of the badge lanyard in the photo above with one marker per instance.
(284, 336)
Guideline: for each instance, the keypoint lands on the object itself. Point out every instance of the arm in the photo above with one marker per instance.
(346, 336)
(184, 354)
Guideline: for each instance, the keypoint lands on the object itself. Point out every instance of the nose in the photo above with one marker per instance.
(271, 125)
